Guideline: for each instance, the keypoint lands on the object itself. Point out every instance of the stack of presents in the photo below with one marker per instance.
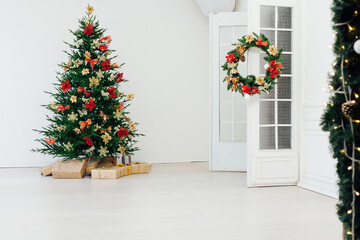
(105, 168)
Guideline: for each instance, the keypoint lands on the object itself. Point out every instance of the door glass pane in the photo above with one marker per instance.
(284, 40)
(284, 88)
(284, 17)
(226, 35)
(286, 63)
(284, 112)
(284, 136)
(267, 16)
(267, 112)
(267, 137)
(226, 130)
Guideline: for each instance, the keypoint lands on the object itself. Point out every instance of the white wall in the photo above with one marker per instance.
(318, 170)
(164, 44)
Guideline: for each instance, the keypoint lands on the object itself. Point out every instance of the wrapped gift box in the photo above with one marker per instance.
(92, 164)
(107, 173)
(125, 170)
(69, 169)
(140, 167)
(47, 170)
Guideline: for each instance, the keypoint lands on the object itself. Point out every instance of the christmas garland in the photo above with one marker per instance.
(250, 84)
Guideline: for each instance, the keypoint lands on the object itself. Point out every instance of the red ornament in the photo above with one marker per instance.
(92, 62)
(103, 47)
(88, 29)
(86, 92)
(65, 85)
(90, 105)
(111, 92)
(119, 77)
(106, 39)
(254, 90)
(230, 58)
(51, 141)
(62, 108)
(274, 68)
(106, 65)
(88, 141)
(123, 132)
(260, 42)
(245, 89)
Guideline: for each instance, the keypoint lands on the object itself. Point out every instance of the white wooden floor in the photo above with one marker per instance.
(175, 201)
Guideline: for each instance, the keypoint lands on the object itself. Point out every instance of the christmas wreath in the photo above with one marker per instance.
(250, 84)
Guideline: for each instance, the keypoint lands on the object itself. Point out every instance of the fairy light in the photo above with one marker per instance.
(358, 149)
(349, 168)
(356, 95)
(349, 211)
(343, 47)
(356, 121)
(346, 61)
(342, 150)
(348, 233)
(350, 28)
(355, 13)
(357, 193)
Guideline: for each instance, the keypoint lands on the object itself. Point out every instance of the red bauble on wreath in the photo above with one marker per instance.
(250, 84)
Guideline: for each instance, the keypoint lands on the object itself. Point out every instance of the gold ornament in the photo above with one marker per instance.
(90, 9)
(103, 151)
(68, 147)
(85, 71)
(249, 38)
(97, 127)
(90, 150)
(73, 99)
(130, 96)
(232, 65)
(72, 117)
(94, 81)
(233, 71)
(240, 49)
(121, 149)
(112, 77)
(272, 50)
(118, 114)
(116, 65)
(77, 130)
(53, 105)
(106, 138)
(87, 54)
(99, 74)
(132, 126)
(260, 81)
(228, 78)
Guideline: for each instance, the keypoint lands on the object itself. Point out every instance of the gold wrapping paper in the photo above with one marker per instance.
(69, 169)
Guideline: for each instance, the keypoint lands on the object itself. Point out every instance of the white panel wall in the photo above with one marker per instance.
(318, 170)
(165, 46)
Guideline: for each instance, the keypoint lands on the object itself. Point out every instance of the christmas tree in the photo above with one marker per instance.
(341, 117)
(90, 117)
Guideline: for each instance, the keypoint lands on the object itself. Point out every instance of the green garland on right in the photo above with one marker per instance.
(341, 116)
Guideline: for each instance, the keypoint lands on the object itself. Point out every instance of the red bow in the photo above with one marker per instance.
(85, 124)
(62, 108)
(106, 39)
(81, 89)
(51, 141)
(260, 42)
(92, 62)
(106, 130)
(275, 68)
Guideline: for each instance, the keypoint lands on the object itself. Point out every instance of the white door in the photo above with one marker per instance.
(228, 110)
(273, 120)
